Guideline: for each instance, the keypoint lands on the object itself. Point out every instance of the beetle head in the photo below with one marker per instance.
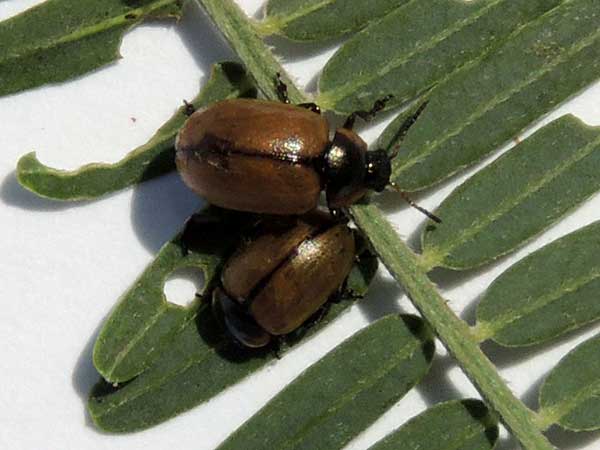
(378, 170)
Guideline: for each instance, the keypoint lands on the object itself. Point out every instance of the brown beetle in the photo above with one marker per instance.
(283, 276)
(276, 158)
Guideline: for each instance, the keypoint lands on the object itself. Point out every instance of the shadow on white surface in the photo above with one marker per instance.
(196, 31)
(85, 375)
(299, 52)
(437, 387)
(159, 208)
(381, 299)
(507, 357)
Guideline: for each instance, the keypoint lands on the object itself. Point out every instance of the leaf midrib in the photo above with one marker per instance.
(557, 411)
(90, 30)
(176, 370)
(497, 324)
(471, 431)
(436, 145)
(282, 20)
(440, 253)
(162, 309)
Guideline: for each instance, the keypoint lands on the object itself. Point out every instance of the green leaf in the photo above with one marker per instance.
(551, 292)
(464, 425)
(154, 158)
(487, 104)
(201, 362)
(317, 20)
(516, 197)
(569, 396)
(61, 39)
(343, 393)
(417, 46)
(144, 322)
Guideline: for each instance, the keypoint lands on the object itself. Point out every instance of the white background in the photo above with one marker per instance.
(62, 266)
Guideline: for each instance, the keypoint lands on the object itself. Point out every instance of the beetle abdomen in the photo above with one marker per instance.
(298, 288)
(255, 261)
(290, 269)
(253, 155)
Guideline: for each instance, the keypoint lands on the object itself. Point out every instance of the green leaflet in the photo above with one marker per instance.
(143, 321)
(517, 196)
(551, 292)
(417, 46)
(154, 158)
(343, 393)
(62, 39)
(485, 105)
(569, 396)
(201, 362)
(317, 20)
(463, 424)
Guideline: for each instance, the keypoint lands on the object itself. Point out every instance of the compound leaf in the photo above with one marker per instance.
(550, 292)
(144, 322)
(201, 362)
(317, 20)
(417, 46)
(343, 393)
(464, 424)
(569, 396)
(516, 197)
(154, 158)
(488, 103)
(61, 39)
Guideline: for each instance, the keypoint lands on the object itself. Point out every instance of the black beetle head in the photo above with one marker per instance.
(379, 170)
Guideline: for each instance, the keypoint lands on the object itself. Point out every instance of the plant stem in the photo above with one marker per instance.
(401, 262)
(248, 45)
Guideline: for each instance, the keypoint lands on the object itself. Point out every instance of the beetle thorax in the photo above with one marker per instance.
(349, 170)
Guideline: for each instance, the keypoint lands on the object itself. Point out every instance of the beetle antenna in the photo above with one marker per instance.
(403, 130)
(408, 200)
(282, 89)
(378, 106)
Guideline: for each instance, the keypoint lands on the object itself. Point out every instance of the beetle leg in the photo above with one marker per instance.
(312, 106)
(282, 90)
(403, 130)
(367, 115)
(189, 108)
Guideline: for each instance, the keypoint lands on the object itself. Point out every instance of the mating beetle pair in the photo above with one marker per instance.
(275, 158)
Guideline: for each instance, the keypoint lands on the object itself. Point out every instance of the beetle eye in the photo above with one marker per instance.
(379, 170)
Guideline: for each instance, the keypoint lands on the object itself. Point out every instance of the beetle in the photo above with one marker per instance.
(275, 158)
(277, 280)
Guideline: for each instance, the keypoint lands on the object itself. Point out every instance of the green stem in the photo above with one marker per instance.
(402, 263)
(248, 45)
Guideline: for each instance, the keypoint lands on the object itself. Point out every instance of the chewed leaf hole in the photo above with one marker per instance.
(183, 284)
